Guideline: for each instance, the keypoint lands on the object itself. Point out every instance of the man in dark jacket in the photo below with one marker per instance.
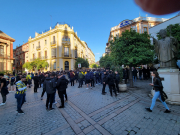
(46, 76)
(92, 79)
(144, 73)
(140, 74)
(36, 82)
(72, 78)
(117, 79)
(80, 77)
(61, 86)
(134, 74)
(125, 75)
(97, 77)
(50, 88)
(104, 83)
(111, 84)
(41, 79)
(88, 79)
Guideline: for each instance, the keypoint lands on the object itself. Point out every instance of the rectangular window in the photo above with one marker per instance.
(34, 56)
(39, 54)
(33, 45)
(39, 43)
(54, 39)
(66, 51)
(75, 53)
(145, 29)
(45, 54)
(54, 65)
(45, 42)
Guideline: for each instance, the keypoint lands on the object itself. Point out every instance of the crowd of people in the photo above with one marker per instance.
(138, 73)
(59, 80)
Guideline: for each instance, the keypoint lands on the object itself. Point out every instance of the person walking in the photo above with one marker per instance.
(20, 94)
(104, 83)
(111, 84)
(50, 88)
(3, 89)
(87, 78)
(117, 80)
(80, 77)
(157, 84)
(61, 86)
(36, 82)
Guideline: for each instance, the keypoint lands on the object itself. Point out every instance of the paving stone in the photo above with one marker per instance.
(94, 132)
(134, 120)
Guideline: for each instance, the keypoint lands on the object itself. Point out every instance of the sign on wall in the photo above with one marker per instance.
(124, 23)
(79, 65)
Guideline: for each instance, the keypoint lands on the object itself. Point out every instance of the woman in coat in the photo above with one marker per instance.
(157, 84)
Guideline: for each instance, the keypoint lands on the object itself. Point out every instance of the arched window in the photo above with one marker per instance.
(66, 38)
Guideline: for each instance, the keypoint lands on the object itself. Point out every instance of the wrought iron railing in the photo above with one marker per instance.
(53, 42)
(38, 47)
(4, 56)
(66, 55)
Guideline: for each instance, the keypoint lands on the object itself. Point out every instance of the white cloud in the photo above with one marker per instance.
(97, 53)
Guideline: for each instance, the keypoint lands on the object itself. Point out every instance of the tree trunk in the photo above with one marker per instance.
(130, 77)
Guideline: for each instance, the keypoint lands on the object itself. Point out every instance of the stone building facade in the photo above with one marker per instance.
(60, 46)
(6, 52)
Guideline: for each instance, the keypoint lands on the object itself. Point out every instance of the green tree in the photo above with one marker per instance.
(28, 66)
(106, 61)
(174, 31)
(37, 63)
(132, 49)
(93, 66)
(83, 62)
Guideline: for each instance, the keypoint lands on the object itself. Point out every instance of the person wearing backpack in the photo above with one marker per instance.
(80, 77)
(87, 78)
(50, 88)
(157, 84)
(72, 78)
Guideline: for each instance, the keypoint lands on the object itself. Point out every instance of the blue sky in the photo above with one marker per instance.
(92, 19)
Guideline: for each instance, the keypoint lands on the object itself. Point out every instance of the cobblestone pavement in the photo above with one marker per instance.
(88, 112)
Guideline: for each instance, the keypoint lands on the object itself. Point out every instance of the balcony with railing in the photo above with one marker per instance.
(53, 43)
(26, 50)
(53, 56)
(38, 47)
(4, 56)
(44, 57)
(66, 55)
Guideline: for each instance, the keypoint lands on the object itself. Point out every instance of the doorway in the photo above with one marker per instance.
(66, 65)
